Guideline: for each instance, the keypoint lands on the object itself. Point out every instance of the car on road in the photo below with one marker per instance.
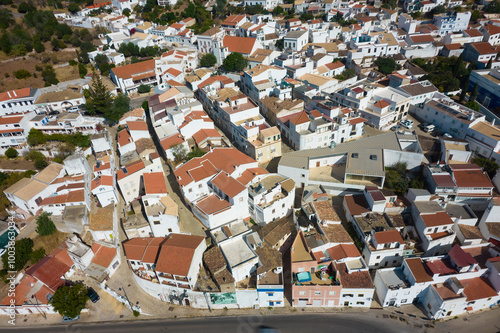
(406, 123)
(66, 319)
(396, 128)
(93, 295)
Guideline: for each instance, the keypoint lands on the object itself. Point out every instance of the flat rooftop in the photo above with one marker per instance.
(237, 252)
(394, 278)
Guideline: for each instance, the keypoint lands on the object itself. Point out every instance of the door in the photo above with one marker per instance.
(331, 303)
(187, 302)
(346, 303)
(302, 302)
(317, 302)
(317, 164)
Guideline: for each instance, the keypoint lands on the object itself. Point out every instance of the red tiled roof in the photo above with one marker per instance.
(130, 168)
(226, 159)
(171, 141)
(419, 39)
(418, 270)
(173, 71)
(389, 236)
(135, 248)
(357, 120)
(493, 29)
(104, 180)
(103, 255)
(22, 289)
(154, 183)
(355, 279)
(204, 134)
(10, 120)
(228, 184)
(478, 288)
(49, 271)
(127, 71)
(334, 65)
(436, 219)
(138, 125)
(232, 20)
(123, 138)
(382, 104)
(212, 205)
(460, 257)
(443, 180)
(356, 204)
(483, 48)
(176, 254)
(243, 45)
(343, 251)
(300, 118)
(472, 178)
(151, 252)
(248, 175)
(13, 94)
(473, 33)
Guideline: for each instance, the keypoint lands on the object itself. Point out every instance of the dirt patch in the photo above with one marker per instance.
(16, 164)
(67, 73)
(50, 242)
(28, 63)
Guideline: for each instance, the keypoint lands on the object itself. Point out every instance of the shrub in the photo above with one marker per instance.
(72, 62)
(136, 313)
(45, 225)
(143, 89)
(11, 153)
(37, 255)
(40, 164)
(22, 74)
(208, 60)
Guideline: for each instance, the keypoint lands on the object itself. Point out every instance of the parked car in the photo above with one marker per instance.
(66, 319)
(406, 123)
(446, 135)
(396, 128)
(428, 128)
(52, 113)
(94, 297)
(74, 109)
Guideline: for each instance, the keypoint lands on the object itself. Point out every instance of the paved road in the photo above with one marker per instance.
(345, 323)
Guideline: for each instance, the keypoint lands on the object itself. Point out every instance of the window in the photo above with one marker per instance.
(190, 190)
(404, 301)
(331, 293)
(302, 293)
(360, 303)
(270, 294)
(378, 257)
(132, 262)
(361, 295)
(200, 185)
(302, 269)
(317, 293)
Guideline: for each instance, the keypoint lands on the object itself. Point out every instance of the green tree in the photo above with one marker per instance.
(102, 62)
(473, 94)
(121, 104)
(488, 65)
(11, 153)
(41, 164)
(472, 105)
(386, 65)
(126, 12)
(22, 74)
(82, 69)
(70, 300)
(278, 10)
(23, 249)
(49, 76)
(6, 18)
(179, 152)
(73, 8)
(45, 226)
(100, 99)
(38, 45)
(458, 64)
(208, 60)
(37, 255)
(489, 166)
(465, 86)
(493, 7)
(235, 62)
(280, 44)
(25, 7)
(35, 138)
(475, 15)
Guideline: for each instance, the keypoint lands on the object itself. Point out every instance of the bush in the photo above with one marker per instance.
(386, 65)
(23, 249)
(45, 225)
(72, 62)
(143, 89)
(37, 255)
(136, 313)
(235, 62)
(11, 153)
(41, 164)
(22, 74)
(208, 60)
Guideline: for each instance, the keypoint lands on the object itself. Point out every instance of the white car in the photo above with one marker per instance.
(406, 123)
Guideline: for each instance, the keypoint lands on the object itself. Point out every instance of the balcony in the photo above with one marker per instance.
(324, 276)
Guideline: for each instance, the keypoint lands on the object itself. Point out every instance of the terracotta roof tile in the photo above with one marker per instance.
(176, 254)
